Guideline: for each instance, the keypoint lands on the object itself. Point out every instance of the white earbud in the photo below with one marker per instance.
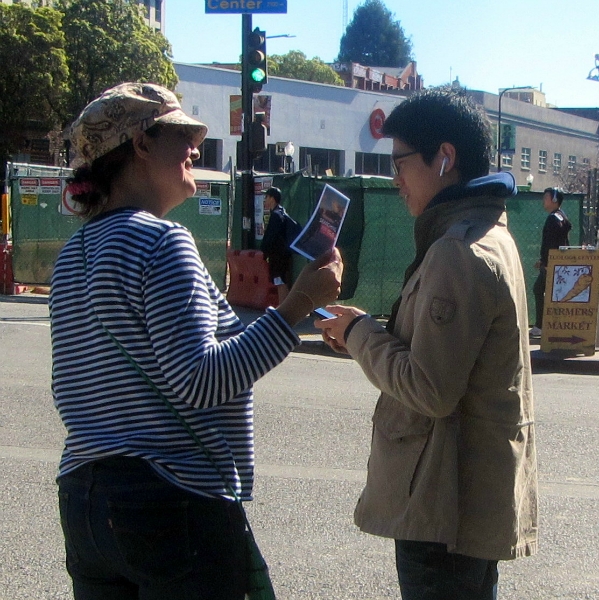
(443, 165)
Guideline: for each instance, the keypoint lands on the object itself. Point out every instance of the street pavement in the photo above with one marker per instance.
(556, 362)
(313, 423)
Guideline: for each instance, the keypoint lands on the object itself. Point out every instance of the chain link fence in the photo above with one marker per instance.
(376, 240)
(377, 236)
(42, 220)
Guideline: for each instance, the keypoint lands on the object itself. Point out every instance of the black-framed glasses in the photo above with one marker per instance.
(397, 157)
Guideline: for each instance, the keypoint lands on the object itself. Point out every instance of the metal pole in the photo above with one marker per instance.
(517, 87)
(499, 132)
(247, 177)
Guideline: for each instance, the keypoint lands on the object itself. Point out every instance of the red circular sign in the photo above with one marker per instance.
(377, 120)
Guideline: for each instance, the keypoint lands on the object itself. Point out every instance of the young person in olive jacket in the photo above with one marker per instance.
(452, 475)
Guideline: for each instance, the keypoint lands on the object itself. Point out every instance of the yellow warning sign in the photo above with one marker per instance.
(29, 199)
(571, 301)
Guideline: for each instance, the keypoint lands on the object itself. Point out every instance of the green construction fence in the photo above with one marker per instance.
(40, 227)
(376, 240)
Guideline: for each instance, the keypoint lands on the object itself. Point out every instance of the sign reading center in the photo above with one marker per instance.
(246, 6)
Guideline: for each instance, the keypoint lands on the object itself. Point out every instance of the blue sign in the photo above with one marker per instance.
(229, 7)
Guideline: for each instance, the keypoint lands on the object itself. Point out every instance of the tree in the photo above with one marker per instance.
(374, 38)
(574, 179)
(107, 43)
(33, 80)
(295, 65)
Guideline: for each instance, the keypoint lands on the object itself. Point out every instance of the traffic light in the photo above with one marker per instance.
(258, 134)
(256, 72)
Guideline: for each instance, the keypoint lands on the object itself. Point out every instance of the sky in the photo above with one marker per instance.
(488, 45)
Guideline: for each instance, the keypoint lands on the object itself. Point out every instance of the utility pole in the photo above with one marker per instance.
(247, 177)
(519, 87)
(254, 74)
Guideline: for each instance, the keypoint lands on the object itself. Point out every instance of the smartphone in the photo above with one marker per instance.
(324, 314)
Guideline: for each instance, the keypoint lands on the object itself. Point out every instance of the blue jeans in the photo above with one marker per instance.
(428, 572)
(130, 535)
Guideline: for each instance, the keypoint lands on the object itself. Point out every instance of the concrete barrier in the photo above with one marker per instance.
(250, 284)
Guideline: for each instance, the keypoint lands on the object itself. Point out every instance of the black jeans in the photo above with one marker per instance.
(538, 289)
(130, 535)
(428, 572)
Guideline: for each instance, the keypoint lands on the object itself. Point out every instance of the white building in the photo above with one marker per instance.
(337, 128)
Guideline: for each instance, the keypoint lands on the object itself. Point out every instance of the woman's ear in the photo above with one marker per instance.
(141, 145)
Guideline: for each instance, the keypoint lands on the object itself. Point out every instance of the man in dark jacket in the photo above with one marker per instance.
(274, 244)
(555, 234)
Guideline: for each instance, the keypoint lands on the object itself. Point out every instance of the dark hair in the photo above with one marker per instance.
(428, 119)
(556, 195)
(90, 185)
(274, 192)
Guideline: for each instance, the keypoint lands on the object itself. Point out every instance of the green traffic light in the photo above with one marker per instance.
(258, 75)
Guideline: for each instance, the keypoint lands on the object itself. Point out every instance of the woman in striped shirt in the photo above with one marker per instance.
(145, 513)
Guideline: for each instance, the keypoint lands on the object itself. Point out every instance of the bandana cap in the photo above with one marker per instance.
(120, 112)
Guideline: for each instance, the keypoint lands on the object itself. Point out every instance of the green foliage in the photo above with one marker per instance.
(34, 73)
(107, 43)
(374, 38)
(295, 65)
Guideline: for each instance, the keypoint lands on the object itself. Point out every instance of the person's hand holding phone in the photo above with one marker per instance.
(333, 329)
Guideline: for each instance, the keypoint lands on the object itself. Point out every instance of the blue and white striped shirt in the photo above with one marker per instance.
(147, 284)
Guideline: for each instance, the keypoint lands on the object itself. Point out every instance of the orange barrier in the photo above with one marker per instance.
(250, 284)
(6, 275)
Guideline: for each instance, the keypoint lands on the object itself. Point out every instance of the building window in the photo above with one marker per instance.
(506, 161)
(542, 161)
(571, 163)
(208, 155)
(268, 162)
(557, 163)
(373, 164)
(320, 160)
(525, 158)
(586, 164)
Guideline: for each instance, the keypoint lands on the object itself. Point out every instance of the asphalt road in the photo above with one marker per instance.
(313, 430)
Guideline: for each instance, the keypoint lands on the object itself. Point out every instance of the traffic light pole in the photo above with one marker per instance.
(247, 177)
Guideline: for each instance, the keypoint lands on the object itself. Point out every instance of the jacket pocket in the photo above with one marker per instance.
(395, 421)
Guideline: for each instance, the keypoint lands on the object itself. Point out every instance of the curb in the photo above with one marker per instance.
(541, 362)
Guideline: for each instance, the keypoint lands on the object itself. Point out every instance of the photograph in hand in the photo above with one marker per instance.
(322, 230)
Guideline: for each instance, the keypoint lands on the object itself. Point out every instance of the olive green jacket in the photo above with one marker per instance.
(453, 447)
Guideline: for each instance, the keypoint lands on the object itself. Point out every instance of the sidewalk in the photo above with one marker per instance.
(554, 362)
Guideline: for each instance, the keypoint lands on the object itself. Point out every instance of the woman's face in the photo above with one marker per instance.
(417, 182)
(171, 155)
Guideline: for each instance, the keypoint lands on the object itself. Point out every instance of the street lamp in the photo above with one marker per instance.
(289, 152)
(594, 77)
(518, 87)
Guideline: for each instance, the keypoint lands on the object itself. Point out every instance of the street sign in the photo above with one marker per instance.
(229, 7)
(571, 301)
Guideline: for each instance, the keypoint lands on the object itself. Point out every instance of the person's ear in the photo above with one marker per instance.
(141, 145)
(446, 157)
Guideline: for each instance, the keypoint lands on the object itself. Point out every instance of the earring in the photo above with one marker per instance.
(443, 165)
